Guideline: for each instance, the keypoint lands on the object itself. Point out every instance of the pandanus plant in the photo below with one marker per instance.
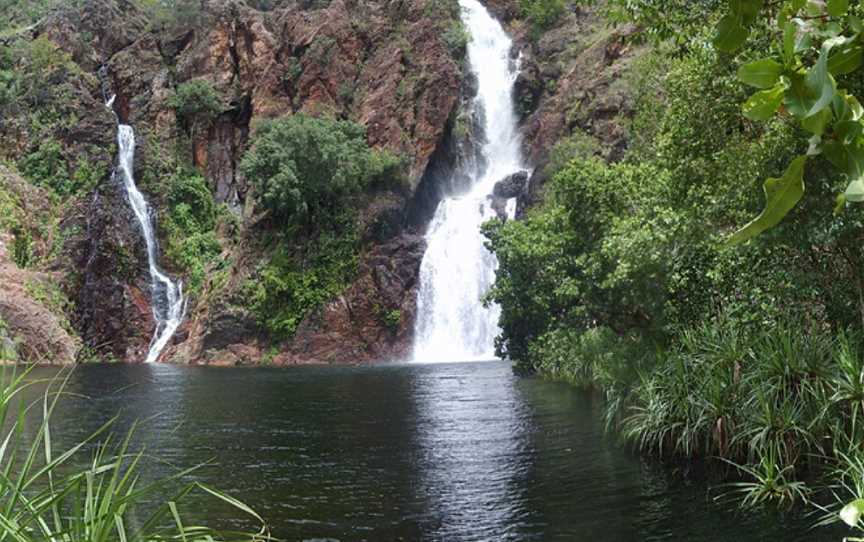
(47, 495)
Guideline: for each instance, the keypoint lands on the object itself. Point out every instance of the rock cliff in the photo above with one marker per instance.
(395, 67)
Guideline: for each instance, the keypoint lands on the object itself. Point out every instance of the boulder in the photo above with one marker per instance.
(511, 186)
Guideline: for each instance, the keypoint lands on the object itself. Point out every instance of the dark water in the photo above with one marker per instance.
(455, 452)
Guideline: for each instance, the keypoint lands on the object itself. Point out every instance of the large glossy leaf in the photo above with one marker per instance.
(790, 33)
(764, 73)
(847, 157)
(819, 82)
(816, 124)
(846, 59)
(762, 105)
(731, 34)
(781, 196)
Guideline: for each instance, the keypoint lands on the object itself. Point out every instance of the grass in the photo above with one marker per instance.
(46, 496)
(783, 405)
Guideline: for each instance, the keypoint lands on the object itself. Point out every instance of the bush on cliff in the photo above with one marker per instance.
(195, 103)
(542, 14)
(189, 225)
(305, 168)
(307, 171)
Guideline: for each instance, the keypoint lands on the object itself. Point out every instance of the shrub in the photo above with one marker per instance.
(195, 103)
(45, 165)
(456, 38)
(188, 226)
(305, 168)
(542, 14)
(299, 279)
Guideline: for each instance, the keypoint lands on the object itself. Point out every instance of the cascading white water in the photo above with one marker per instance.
(167, 295)
(457, 270)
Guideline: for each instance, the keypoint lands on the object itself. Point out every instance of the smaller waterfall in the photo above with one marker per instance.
(167, 295)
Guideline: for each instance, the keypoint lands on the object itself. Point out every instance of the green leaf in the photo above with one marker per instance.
(781, 196)
(762, 74)
(731, 34)
(846, 59)
(840, 204)
(790, 32)
(816, 124)
(848, 158)
(852, 512)
(855, 191)
(838, 8)
(847, 131)
(815, 91)
(798, 99)
(819, 82)
(762, 105)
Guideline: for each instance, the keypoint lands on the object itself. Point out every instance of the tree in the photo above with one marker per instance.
(195, 103)
(305, 167)
(817, 44)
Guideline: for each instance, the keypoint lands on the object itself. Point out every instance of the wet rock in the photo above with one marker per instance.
(111, 284)
(511, 186)
(528, 88)
(360, 326)
(499, 205)
(229, 325)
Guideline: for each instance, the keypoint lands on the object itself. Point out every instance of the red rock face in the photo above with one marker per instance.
(384, 65)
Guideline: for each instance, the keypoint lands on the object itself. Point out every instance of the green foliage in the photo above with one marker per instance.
(49, 294)
(456, 38)
(305, 168)
(22, 247)
(299, 279)
(620, 281)
(679, 21)
(16, 15)
(188, 225)
(45, 165)
(169, 15)
(390, 318)
(93, 490)
(195, 102)
(542, 14)
(578, 145)
(815, 46)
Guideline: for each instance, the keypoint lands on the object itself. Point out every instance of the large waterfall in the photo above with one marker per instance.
(167, 295)
(457, 270)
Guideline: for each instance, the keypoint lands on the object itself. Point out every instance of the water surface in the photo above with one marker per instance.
(439, 452)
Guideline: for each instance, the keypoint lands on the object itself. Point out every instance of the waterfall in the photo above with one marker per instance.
(167, 295)
(457, 269)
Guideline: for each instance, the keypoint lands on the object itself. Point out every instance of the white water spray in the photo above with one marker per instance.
(167, 295)
(457, 270)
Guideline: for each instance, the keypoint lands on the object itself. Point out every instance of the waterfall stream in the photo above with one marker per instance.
(167, 295)
(457, 269)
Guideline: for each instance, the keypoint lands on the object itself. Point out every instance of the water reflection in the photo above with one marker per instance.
(473, 452)
(436, 452)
